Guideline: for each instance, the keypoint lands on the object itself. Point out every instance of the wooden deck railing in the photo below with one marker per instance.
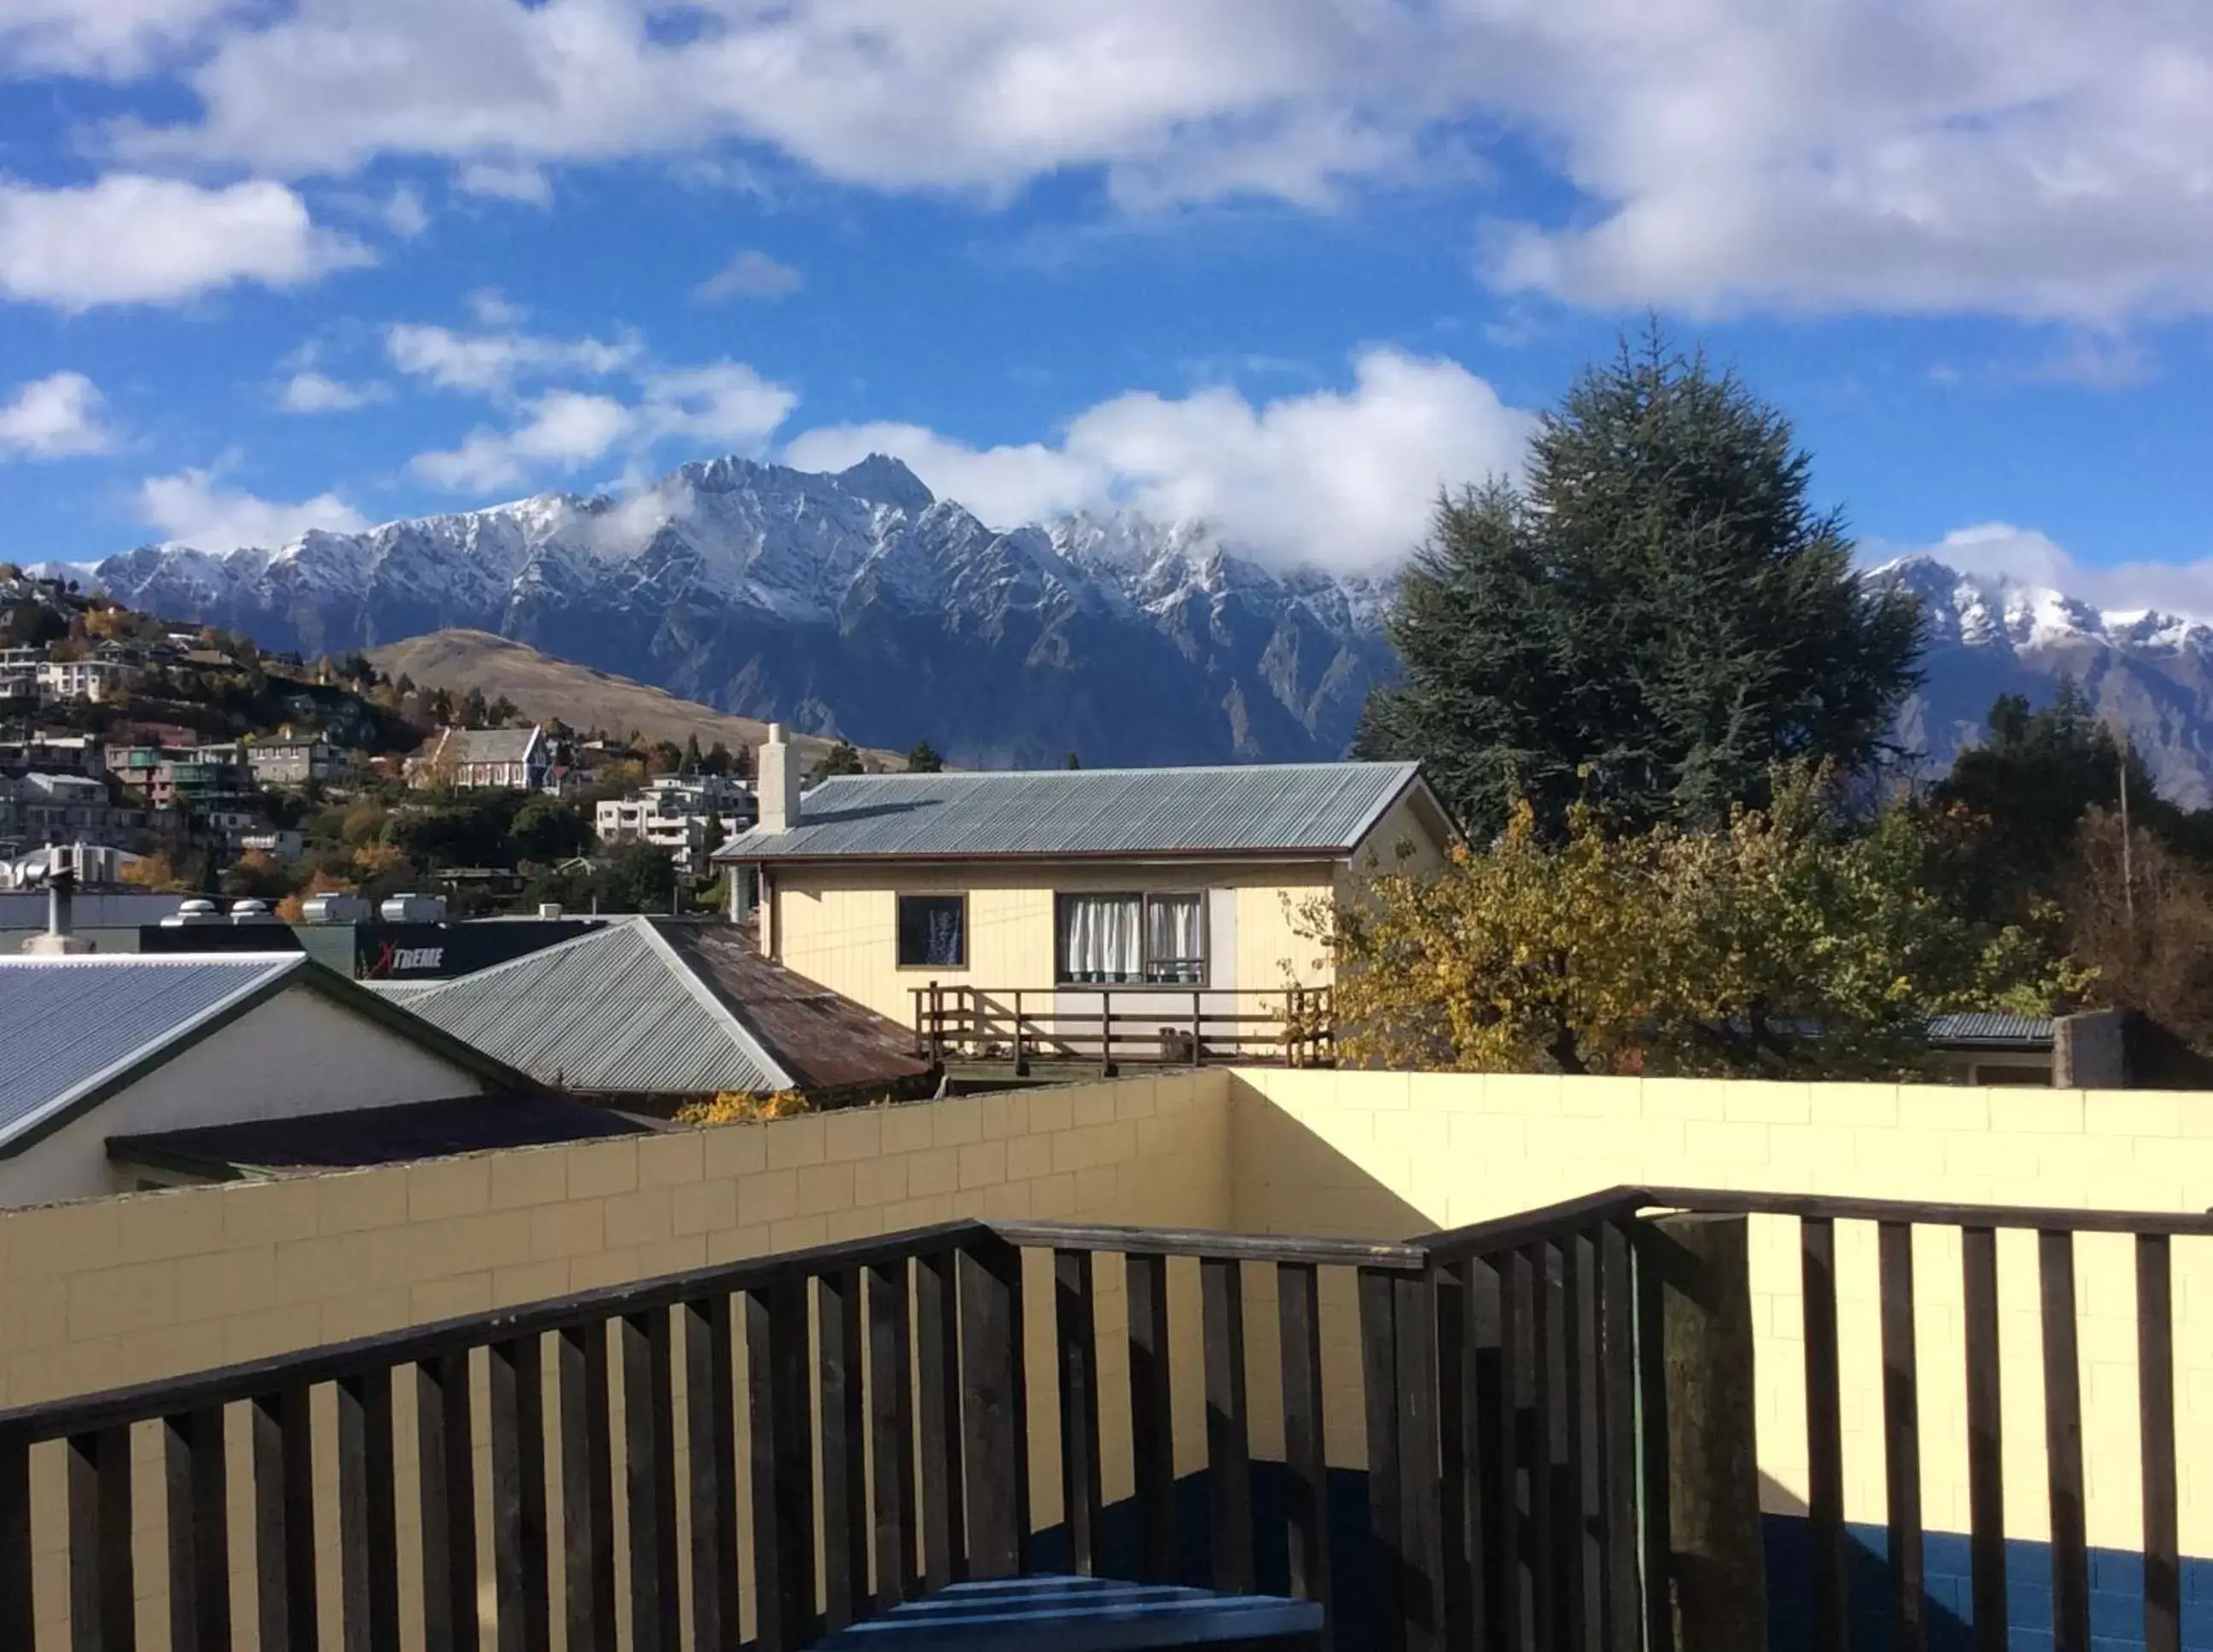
(1111, 1027)
(1512, 1403)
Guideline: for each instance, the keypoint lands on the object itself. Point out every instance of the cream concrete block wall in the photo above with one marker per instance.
(838, 926)
(1387, 1155)
(105, 1292)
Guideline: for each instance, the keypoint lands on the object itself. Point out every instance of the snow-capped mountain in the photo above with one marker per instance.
(858, 603)
(2145, 671)
(855, 603)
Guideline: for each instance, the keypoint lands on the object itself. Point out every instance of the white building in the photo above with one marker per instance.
(84, 679)
(513, 759)
(673, 814)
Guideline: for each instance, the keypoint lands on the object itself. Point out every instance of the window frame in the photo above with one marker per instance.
(900, 897)
(1144, 983)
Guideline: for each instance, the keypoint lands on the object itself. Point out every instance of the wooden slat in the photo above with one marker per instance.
(1228, 1435)
(1647, 1273)
(1152, 1415)
(1498, 1429)
(1901, 1438)
(103, 1603)
(196, 1477)
(18, 1614)
(995, 1450)
(1419, 1533)
(937, 1390)
(1458, 1493)
(1076, 1330)
(836, 1371)
(1305, 1457)
(891, 1422)
(369, 1536)
(1379, 1381)
(1578, 1489)
(853, 1318)
(520, 1567)
(1621, 1619)
(777, 1353)
(709, 1426)
(1539, 1439)
(653, 1608)
(1829, 1630)
(2155, 1410)
(446, 1469)
(586, 1486)
(1978, 1262)
(273, 1514)
(2063, 1445)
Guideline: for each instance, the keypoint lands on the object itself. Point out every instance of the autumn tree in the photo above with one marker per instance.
(1792, 941)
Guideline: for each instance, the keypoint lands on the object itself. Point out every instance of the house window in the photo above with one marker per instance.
(1117, 940)
(933, 931)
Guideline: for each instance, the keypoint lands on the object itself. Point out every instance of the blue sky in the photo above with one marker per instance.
(271, 265)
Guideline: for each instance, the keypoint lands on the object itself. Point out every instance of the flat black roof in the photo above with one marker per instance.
(375, 1135)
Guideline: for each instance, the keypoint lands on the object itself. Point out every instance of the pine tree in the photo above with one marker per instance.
(840, 758)
(692, 757)
(924, 759)
(1652, 622)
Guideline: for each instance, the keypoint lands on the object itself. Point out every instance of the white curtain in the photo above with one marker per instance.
(1100, 937)
(1174, 948)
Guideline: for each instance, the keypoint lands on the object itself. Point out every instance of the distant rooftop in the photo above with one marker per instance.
(1258, 808)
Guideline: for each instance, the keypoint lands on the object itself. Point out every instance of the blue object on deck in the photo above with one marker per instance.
(1082, 1614)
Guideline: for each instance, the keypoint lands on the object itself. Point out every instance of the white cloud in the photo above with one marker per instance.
(403, 213)
(191, 509)
(724, 406)
(105, 37)
(751, 274)
(315, 393)
(1336, 479)
(489, 363)
(54, 417)
(528, 184)
(2002, 551)
(492, 309)
(130, 239)
(2042, 158)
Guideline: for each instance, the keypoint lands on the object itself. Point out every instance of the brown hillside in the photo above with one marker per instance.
(544, 688)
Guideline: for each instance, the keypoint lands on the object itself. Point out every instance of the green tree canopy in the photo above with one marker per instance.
(925, 759)
(1652, 621)
(840, 758)
(640, 878)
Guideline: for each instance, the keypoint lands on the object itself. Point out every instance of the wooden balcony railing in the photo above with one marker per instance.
(1021, 1030)
(760, 1454)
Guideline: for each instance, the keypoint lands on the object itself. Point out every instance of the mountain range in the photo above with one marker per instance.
(858, 603)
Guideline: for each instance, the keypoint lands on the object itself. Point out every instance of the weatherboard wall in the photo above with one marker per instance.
(837, 924)
(296, 1054)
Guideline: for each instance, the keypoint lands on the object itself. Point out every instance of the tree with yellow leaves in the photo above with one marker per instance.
(1792, 941)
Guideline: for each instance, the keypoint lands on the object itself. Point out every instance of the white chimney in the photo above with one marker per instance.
(776, 779)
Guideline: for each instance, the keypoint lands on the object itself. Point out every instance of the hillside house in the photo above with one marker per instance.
(291, 760)
(512, 759)
(1154, 898)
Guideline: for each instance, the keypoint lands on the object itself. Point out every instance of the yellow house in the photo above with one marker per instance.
(1097, 914)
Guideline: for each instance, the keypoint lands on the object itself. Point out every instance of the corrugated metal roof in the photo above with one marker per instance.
(1989, 1027)
(615, 1009)
(1326, 808)
(69, 1024)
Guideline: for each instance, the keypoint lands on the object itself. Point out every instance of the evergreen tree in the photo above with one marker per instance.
(1074, 762)
(1655, 621)
(924, 759)
(693, 757)
(840, 758)
(717, 760)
